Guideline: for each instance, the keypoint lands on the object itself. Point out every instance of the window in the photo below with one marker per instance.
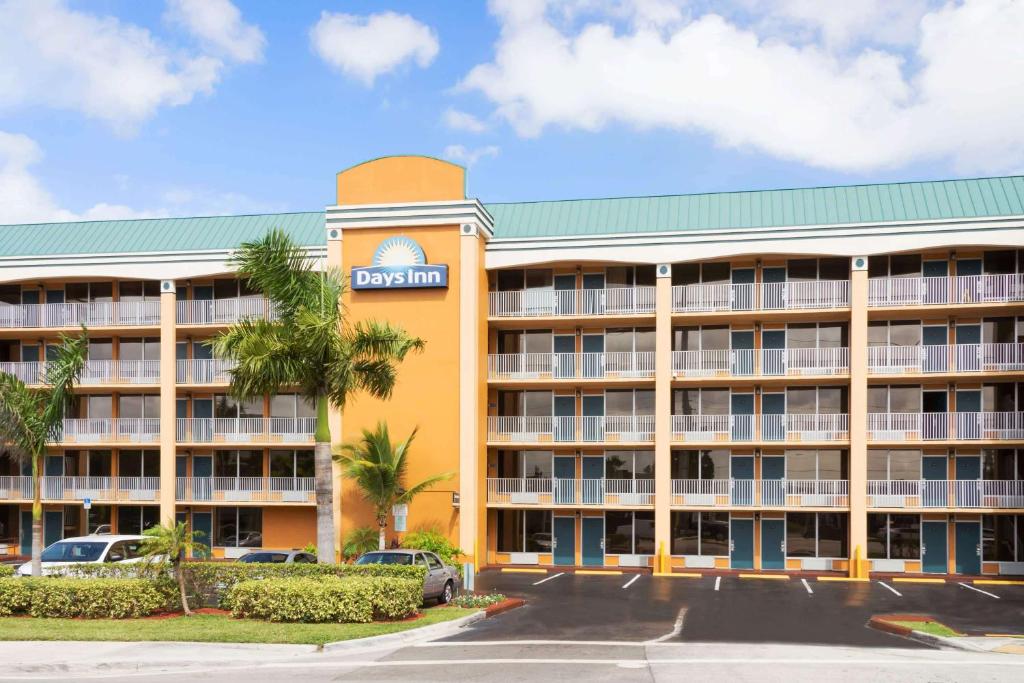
(895, 465)
(225, 406)
(810, 534)
(524, 531)
(525, 464)
(700, 402)
(291, 406)
(134, 519)
(98, 516)
(138, 349)
(289, 464)
(629, 402)
(138, 406)
(706, 464)
(629, 533)
(237, 464)
(896, 537)
(700, 533)
(1002, 538)
(97, 464)
(629, 465)
(433, 562)
(1004, 464)
(816, 400)
(894, 399)
(138, 464)
(238, 527)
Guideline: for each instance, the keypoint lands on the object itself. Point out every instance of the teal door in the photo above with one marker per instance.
(968, 548)
(968, 348)
(565, 414)
(934, 354)
(935, 492)
(933, 547)
(773, 354)
(968, 484)
(564, 346)
(742, 483)
(773, 486)
(565, 294)
(743, 353)
(565, 540)
(565, 479)
(203, 523)
(936, 287)
(742, 407)
(593, 418)
(773, 294)
(593, 479)
(593, 355)
(202, 477)
(53, 526)
(773, 418)
(202, 409)
(592, 545)
(25, 532)
(773, 544)
(741, 543)
(968, 417)
(743, 289)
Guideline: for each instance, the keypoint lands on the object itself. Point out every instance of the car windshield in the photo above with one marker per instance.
(263, 557)
(74, 551)
(385, 558)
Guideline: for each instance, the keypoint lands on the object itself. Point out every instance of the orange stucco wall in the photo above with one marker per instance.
(288, 527)
(401, 179)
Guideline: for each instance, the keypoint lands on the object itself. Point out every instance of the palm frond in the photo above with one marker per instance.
(63, 372)
(22, 426)
(372, 339)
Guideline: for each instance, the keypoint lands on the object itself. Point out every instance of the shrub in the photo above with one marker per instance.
(76, 597)
(159, 574)
(6, 570)
(326, 599)
(466, 600)
(358, 541)
(433, 540)
(15, 596)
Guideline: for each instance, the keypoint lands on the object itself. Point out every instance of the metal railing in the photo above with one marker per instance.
(531, 303)
(29, 372)
(946, 493)
(765, 493)
(781, 428)
(961, 289)
(110, 430)
(761, 362)
(765, 296)
(570, 365)
(204, 371)
(246, 489)
(75, 488)
(94, 372)
(967, 426)
(806, 427)
(946, 358)
(245, 429)
(224, 311)
(67, 315)
(555, 491)
(545, 428)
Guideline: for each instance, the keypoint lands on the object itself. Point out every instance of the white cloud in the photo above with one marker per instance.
(365, 47)
(460, 120)
(469, 157)
(833, 98)
(117, 72)
(219, 25)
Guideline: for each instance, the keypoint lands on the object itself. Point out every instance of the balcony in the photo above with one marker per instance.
(94, 373)
(224, 311)
(106, 430)
(550, 429)
(555, 366)
(765, 493)
(948, 358)
(582, 492)
(916, 494)
(105, 489)
(245, 490)
(245, 430)
(204, 371)
(913, 427)
(945, 290)
(761, 362)
(765, 296)
(73, 315)
(763, 428)
(554, 303)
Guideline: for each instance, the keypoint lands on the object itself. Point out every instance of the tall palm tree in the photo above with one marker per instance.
(378, 467)
(311, 346)
(32, 417)
(172, 543)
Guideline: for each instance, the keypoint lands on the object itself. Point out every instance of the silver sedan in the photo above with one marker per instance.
(441, 580)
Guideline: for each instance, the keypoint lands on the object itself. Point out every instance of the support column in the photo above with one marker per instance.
(168, 399)
(663, 419)
(334, 422)
(469, 390)
(858, 413)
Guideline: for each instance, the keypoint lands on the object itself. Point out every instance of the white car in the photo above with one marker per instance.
(87, 550)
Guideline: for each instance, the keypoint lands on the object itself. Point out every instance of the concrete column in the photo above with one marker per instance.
(469, 389)
(334, 254)
(858, 408)
(663, 415)
(168, 397)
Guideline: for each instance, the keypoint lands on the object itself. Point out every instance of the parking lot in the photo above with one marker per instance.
(727, 608)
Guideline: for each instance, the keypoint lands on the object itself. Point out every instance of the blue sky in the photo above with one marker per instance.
(122, 108)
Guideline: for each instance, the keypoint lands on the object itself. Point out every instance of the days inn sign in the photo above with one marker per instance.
(399, 263)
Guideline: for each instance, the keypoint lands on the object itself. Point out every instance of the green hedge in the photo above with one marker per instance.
(78, 597)
(325, 599)
(6, 570)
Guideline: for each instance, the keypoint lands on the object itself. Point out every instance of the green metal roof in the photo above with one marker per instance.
(893, 202)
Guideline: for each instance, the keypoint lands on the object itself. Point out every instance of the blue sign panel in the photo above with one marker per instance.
(399, 263)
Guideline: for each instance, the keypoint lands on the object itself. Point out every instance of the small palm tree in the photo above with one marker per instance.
(311, 346)
(173, 543)
(357, 541)
(32, 417)
(378, 467)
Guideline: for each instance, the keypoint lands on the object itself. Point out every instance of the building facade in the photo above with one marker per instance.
(826, 379)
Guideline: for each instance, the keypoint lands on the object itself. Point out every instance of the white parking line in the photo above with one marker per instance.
(991, 595)
(807, 586)
(553, 576)
(718, 582)
(882, 583)
(631, 581)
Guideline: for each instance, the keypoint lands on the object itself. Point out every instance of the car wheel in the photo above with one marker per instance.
(446, 594)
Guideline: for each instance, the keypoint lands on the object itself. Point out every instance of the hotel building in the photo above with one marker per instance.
(772, 380)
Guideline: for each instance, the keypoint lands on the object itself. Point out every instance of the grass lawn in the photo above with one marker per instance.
(210, 628)
(933, 628)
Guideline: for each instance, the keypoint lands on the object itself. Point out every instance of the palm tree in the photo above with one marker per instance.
(357, 541)
(172, 543)
(32, 417)
(378, 467)
(310, 346)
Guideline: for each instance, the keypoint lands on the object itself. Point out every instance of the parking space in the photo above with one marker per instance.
(728, 608)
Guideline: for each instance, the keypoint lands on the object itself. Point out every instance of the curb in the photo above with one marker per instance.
(880, 624)
(404, 637)
(504, 606)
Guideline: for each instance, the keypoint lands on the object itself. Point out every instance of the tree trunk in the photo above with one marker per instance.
(181, 589)
(323, 465)
(37, 516)
(381, 543)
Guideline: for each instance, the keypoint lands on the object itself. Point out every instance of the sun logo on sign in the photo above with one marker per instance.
(399, 251)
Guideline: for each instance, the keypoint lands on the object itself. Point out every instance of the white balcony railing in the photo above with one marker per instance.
(713, 427)
(765, 493)
(532, 303)
(121, 372)
(967, 426)
(69, 315)
(75, 488)
(15, 488)
(807, 427)
(529, 366)
(111, 430)
(204, 371)
(609, 428)
(781, 428)
(761, 362)
(246, 430)
(522, 491)
(29, 372)
(946, 358)
(766, 296)
(246, 489)
(962, 289)
(224, 311)
(942, 493)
